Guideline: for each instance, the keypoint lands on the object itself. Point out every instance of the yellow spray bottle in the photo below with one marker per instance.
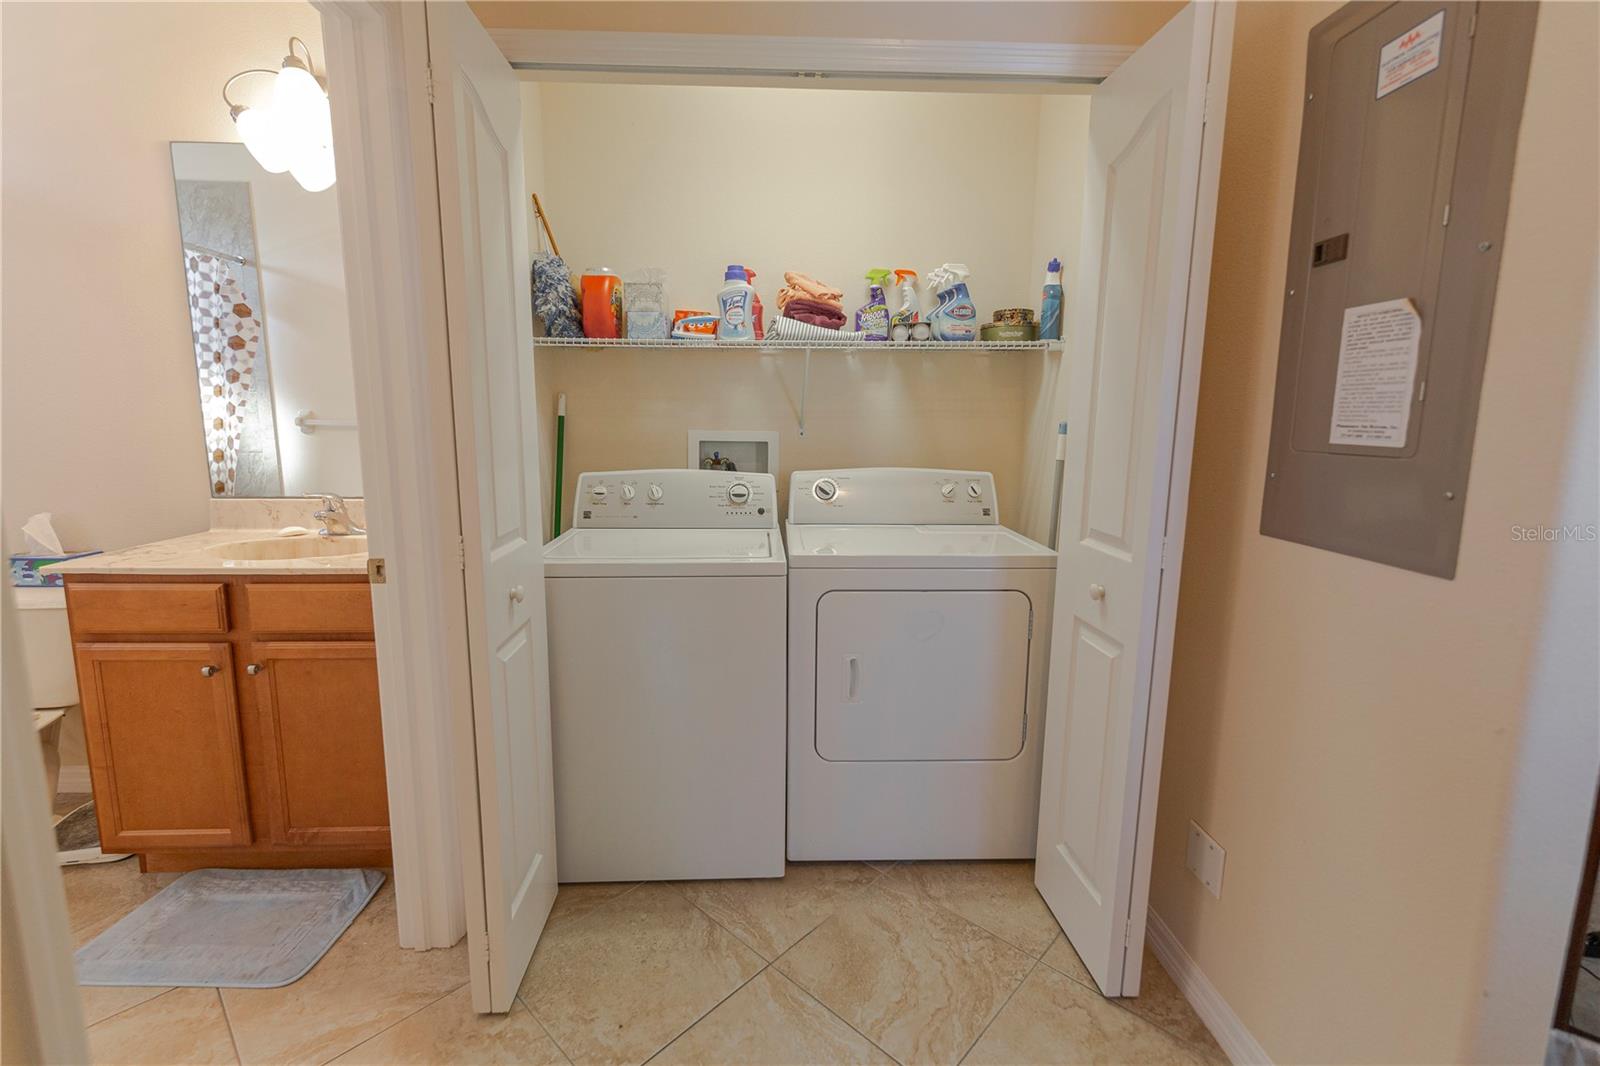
(872, 318)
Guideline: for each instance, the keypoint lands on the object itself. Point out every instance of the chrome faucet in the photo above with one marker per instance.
(335, 517)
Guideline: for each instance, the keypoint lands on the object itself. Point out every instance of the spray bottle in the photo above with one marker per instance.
(872, 318)
(955, 318)
(755, 303)
(910, 311)
(1050, 306)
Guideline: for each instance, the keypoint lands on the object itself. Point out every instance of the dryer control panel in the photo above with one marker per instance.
(675, 499)
(893, 496)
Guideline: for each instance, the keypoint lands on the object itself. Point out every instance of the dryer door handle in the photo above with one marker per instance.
(852, 673)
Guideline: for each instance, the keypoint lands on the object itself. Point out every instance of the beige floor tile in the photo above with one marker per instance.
(449, 1032)
(101, 1002)
(770, 1022)
(920, 981)
(185, 1025)
(574, 901)
(998, 896)
(1064, 960)
(101, 893)
(1052, 1019)
(771, 914)
(363, 985)
(623, 981)
(1160, 1001)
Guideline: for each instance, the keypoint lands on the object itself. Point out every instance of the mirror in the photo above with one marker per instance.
(263, 274)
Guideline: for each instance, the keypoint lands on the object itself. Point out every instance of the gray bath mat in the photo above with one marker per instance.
(229, 929)
(78, 838)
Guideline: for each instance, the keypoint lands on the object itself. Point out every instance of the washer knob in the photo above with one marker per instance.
(948, 489)
(598, 492)
(825, 489)
(975, 490)
(654, 492)
(739, 493)
(627, 493)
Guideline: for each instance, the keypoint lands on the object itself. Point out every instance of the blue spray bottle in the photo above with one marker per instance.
(1050, 308)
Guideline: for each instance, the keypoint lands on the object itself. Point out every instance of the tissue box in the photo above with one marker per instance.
(25, 569)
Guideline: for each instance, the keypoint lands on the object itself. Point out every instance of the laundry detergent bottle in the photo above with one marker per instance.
(1050, 303)
(954, 318)
(872, 318)
(736, 304)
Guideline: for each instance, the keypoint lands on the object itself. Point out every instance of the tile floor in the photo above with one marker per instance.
(835, 963)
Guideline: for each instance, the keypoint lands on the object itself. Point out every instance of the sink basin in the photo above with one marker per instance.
(290, 548)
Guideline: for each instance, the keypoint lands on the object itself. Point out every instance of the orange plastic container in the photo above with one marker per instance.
(601, 297)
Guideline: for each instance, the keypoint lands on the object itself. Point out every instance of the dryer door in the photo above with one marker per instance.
(907, 676)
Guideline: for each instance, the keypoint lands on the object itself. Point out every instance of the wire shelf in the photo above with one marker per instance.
(801, 345)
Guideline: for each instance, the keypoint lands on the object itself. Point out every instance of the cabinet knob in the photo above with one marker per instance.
(253, 669)
(518, 594)
(1097, 592)
(208, 671)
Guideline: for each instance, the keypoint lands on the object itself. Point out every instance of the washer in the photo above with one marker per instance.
(919, 639)
(666, 609)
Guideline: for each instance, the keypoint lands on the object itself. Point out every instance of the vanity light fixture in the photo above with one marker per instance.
(293, 132)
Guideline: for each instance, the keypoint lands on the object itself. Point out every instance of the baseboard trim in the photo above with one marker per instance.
(1203, 996)
(74, 779)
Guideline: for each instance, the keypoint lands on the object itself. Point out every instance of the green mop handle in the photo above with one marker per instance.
(561, 444)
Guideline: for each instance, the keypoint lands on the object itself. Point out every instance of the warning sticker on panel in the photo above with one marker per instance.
(1410, 55)
(1377, 369)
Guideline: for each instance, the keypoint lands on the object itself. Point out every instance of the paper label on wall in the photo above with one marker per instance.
(1410, 55)
(1377, 370)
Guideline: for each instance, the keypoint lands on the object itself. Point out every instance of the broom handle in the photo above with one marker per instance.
(538, 210)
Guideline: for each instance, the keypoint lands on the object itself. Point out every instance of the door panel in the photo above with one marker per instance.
(162, 727)
(921, 675)
(318, 703)
(508, 799)
(1127, 385)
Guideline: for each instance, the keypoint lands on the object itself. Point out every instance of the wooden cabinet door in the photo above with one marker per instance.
(162, 726)
(318, 706)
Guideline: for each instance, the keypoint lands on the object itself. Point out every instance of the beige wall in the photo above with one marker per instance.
(1346, 730)
(645, 197)
(100, 423)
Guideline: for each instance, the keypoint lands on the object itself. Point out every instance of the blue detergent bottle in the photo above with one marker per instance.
(1050, 307)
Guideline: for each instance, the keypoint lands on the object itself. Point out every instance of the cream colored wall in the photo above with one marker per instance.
(641, 196)
(98, 381)
(1346, 730)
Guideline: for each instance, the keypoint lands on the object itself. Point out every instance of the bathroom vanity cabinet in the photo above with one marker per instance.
(232, 721)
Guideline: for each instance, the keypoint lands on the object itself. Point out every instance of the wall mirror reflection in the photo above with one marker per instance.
(264, 277)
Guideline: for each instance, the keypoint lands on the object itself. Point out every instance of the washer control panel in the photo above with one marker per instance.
(676, 499)
(893, 496)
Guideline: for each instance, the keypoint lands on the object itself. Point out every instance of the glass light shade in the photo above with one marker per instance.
(313, 167)
(302, 106)
(262, 134)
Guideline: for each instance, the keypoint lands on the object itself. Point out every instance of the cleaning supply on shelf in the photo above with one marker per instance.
(1050, 304)
(555, 301)
(644, 304)
(694, 325)
(735, 303)
(756, 319)
(872, 318)
(954, 318)
(910, 310)
(602, 304)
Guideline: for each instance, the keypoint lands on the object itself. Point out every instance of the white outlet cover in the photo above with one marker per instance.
(1204, 860)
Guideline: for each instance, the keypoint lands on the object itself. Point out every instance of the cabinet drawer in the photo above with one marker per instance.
(193, 608)
(307, 608)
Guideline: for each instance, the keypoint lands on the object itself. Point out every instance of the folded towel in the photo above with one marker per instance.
(804, 285)
(814, 311)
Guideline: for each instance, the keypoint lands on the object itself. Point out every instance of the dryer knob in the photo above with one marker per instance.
(825, 489)
(738, 494)
(627, 493)
(948, 489)
(598, 492)
(975, 490)
(654, 492)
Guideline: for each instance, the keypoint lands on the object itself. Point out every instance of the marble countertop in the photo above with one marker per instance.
(198, 553)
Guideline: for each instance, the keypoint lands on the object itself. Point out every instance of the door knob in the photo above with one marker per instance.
(1097, 592)
(518, 594)
(208, 671)
(253, 669)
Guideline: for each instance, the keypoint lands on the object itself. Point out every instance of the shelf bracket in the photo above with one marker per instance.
(805, 389)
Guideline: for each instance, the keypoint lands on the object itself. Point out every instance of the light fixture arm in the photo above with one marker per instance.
(233, 108)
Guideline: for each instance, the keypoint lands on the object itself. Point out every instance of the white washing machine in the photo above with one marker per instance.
(667, 652)
(919, 638)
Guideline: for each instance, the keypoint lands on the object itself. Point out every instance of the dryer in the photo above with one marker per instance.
(666, 609)
(919, 639)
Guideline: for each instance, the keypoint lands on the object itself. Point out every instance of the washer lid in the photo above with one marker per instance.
(664, 552)
(955, 547)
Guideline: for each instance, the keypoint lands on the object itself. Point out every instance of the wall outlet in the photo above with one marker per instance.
(1205, 860)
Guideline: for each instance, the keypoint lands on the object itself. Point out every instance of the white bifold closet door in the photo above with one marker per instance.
(477, 121)
(1132, 366)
